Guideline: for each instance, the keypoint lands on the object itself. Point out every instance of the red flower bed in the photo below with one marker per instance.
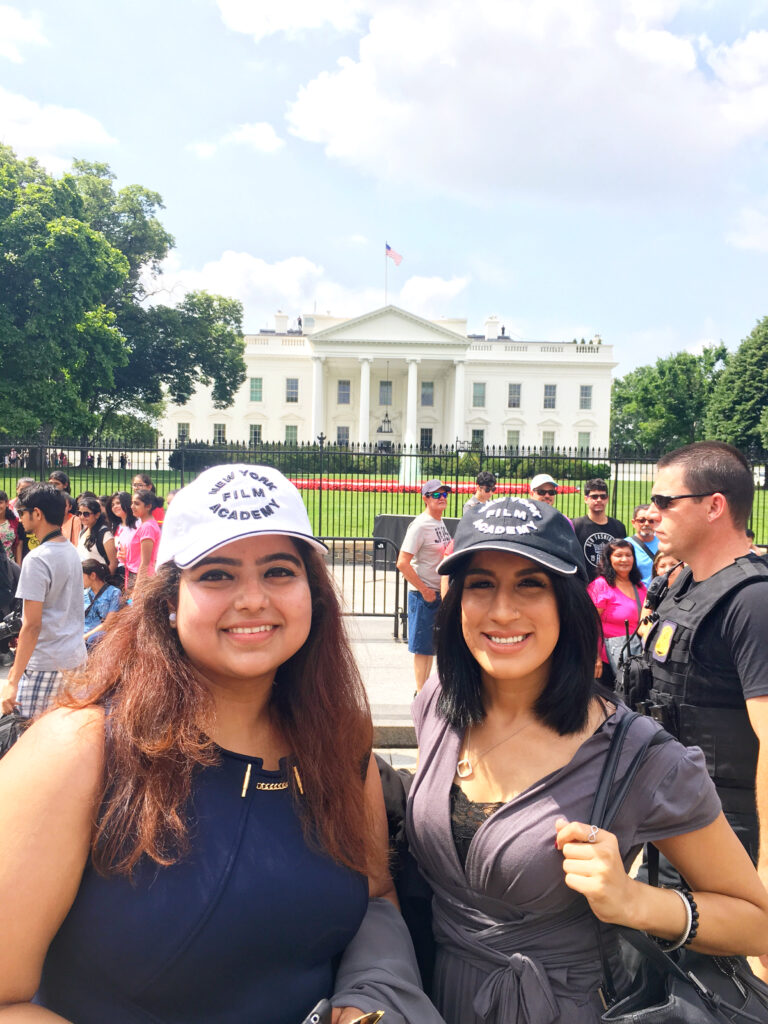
(394, 486)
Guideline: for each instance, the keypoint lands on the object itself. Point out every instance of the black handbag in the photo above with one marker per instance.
(682, 986)
(11, 727)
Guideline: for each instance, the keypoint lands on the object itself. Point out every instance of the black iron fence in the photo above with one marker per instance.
(346, 487)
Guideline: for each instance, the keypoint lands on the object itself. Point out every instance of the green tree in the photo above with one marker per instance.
(738, 412)
(660, 407)
(57, 278)
(82, 348)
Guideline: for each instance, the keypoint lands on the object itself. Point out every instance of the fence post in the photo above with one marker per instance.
(321, 441)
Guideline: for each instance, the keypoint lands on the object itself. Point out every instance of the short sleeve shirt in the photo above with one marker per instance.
(51, 573)
(733, 643)
(594, 536)
(426, 540)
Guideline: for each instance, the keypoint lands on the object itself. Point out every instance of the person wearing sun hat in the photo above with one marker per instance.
(421, 552)
(513, 736)
(219, 854)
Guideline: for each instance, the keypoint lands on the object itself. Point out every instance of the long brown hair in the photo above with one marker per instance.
(155, 705)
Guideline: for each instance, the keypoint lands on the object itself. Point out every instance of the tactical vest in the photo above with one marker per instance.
(697, 708)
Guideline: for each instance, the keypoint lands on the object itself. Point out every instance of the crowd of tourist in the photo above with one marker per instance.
(215, 841)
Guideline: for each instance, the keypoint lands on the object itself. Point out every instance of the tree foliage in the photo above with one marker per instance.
(82, 347)
(660, 407)
(738, 411)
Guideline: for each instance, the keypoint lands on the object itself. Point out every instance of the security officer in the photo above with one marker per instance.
(705, 658)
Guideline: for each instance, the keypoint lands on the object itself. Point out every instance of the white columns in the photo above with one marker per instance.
(363, 430)
(458, 402)
(318, 392)
(410, 436)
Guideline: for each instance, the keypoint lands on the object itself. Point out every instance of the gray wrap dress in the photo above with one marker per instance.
(515, 944)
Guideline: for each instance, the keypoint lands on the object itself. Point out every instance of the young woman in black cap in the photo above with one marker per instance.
(512, 741)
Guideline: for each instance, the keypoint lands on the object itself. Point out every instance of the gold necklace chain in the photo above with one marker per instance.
(465, 768)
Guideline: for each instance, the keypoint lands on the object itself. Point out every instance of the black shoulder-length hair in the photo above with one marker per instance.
(564, 703)
(606, 568)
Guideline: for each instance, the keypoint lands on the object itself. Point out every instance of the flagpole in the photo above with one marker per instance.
(385, 275)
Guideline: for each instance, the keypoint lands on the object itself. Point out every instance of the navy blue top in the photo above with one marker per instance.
(245, 928)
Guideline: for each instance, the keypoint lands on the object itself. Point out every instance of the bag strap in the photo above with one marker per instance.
(605, 808)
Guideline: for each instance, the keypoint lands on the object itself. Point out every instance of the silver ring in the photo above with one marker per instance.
(593, 831)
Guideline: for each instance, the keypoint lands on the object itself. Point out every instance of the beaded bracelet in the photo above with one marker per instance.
(694, 914)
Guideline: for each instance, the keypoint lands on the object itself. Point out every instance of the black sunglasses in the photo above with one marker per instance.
(663, 501)
(599, 496)
(550, 494)
(436, 494)
(20, 510)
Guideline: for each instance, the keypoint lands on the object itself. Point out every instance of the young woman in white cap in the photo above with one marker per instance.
(512, 742)
(196, 834)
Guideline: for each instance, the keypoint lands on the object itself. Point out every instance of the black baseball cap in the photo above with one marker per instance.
(529, 528)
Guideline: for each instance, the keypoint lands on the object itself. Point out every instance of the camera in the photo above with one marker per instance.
(10, 626)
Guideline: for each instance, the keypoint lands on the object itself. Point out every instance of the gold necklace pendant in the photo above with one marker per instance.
(464, 768)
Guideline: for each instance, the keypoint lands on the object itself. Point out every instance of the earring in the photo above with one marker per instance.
(172, 619)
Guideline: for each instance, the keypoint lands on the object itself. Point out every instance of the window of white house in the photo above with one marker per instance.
(425, 437)
(219, 433)
(256, 389)
(584, 440)
(513, 396)
(291, 389)
(478, 439)
(478, 395)
(548, 439)
(182, 431)
(342, 435)
(513, 439)
(254, 433)
(550, 396)
(385, 392)
(343, 392)
(291, 433)
(427, 393)
(585, 396)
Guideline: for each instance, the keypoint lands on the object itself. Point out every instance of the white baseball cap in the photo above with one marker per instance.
(540, 479)
(227, 503)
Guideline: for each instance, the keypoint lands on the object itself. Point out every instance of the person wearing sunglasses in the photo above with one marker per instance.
(596, 528)
(707, 652)
(644, 541)
(421, 552)
(544, 488)
(485, 486)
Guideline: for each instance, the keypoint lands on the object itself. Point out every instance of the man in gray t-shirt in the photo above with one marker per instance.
(420, 554)
(51, 586)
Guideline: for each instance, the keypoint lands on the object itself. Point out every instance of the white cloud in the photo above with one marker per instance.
(43, 130)
(291, 16)
(428, 296)
(297, 285)
(259, 136)
(568, 97)
(751, 230)
(204, 150)
(17, 30)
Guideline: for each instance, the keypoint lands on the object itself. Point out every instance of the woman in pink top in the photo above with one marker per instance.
(619, 595)
(141, 554)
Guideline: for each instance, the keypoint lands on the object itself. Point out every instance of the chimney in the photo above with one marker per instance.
(281, 322)
(492, 327)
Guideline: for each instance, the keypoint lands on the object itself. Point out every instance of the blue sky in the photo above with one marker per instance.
(573, 166)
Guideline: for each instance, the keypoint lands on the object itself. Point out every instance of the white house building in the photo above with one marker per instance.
(395, 377)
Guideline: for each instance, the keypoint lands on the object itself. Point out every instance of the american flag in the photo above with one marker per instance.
(393, 255)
